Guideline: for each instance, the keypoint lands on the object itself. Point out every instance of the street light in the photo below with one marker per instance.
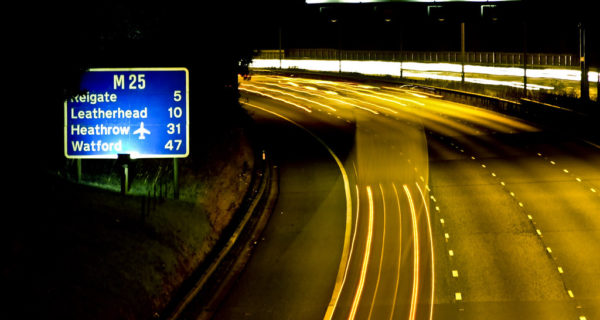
(389, 21)
(339, 31)
(462, 52)
(585, 87)
(279, 53)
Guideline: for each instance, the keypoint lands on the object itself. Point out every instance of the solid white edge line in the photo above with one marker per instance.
(430, 231)
(341, 276)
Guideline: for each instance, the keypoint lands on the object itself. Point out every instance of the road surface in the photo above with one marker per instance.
(396, 204)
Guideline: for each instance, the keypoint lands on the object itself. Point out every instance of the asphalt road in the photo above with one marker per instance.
(395, 204)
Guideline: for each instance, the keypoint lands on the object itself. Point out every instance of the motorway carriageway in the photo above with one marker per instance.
(396, 204)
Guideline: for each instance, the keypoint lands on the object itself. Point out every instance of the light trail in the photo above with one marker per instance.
(395, 97)
(365, 264)
(373, 96)
(354, 105)
(291, 95)
(392, 68)
(278, 99)
(345, 261)
(417, 70)
(328, 98)
(329, 313)
(337, 86)
(399, 252)
(420, 94)
(431, 248)
(369, 103)
(415, 289)
(381, 256)
(375, 105)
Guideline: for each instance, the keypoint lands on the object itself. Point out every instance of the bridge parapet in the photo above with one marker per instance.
(505, 59)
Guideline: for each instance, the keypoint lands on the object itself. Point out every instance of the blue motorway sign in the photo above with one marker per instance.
(143, 112)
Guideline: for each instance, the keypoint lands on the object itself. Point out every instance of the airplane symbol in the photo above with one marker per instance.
(142, 131)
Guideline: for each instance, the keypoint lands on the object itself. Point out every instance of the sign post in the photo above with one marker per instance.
(140, 112)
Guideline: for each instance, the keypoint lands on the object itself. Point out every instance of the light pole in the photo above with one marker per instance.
(389, 21)
(462, 52)
(401, 53)
(339, 51)
(585, 86)
(525, 59)
(279, 52)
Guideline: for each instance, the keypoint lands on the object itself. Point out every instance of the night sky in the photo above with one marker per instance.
(143, 33)
(550, 27)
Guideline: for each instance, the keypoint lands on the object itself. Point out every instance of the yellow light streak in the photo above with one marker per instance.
(366, 94)
(431, 248)
(431, 71)
(420, 94)
(357, 92)
(345, 260)
(278, 99)
(375, 105)
(399, 252)
(289, 94)
(365, 264)
(366, 87)
(331, 309)
(399, 98)
(415, 289)
(381, 256)
(354, 105)
(305, 92)
(373, 96)
(421, 69)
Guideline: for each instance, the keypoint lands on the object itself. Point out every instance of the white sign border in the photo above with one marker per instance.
(138, 156)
